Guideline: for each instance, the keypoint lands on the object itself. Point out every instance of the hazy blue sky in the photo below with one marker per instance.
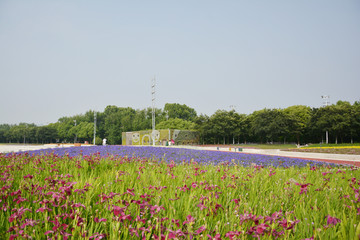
(61, 58)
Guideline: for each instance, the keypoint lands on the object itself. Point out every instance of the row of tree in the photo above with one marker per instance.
(300, 124)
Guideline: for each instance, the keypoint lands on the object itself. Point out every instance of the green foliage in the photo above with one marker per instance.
(298, 117)
(176, 110)
(176, 123)
(297, 123)
(98, 141)
(187, 138)
(270, 124)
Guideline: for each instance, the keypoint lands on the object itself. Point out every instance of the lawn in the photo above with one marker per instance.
(116, 192)
(330, 148)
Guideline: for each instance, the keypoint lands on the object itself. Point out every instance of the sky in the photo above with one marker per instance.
(62, 58)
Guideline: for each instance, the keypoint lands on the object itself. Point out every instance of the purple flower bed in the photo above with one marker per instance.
(179, 155)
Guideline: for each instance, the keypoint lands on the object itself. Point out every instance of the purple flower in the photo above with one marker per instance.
(332, 220)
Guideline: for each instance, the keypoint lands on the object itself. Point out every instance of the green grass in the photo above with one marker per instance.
(267, 146)
(334, 145)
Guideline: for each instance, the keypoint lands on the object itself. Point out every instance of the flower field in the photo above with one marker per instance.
(118, 192)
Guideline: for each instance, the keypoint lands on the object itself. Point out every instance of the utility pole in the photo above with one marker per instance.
(94, 128)
(326, 102)
(153, 84)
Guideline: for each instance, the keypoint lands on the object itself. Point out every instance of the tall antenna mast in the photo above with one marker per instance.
(153, 84)
(326, 102)
(94, 128)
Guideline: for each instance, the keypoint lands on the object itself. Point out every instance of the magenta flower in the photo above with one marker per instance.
(332, 220)
(28, 176)
(200, 230)
(130, 192)
(14, 236)
(201, 206)
(232, 234)
(175, 234)
(216, 237)
(272, 173)
(175, 221)
(189, 220)
(118, 210)
(303, 187)
(97, 220)
(48, 232)
(325, 173)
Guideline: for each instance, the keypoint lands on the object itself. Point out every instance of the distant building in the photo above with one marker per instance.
(163, 137)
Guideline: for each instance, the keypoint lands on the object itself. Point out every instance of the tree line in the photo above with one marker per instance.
(296, 124)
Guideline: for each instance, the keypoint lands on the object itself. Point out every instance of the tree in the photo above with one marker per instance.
(240, 131)
(270, 124)
(176, 123)
(86, 131)
(176, 110)
(4, 132)
(341, 117)
(336, 119)
(202, 126)
(224, 124)
(117, 120)
(299, 118)
(46, 134)
(65, 130)
(355, 122)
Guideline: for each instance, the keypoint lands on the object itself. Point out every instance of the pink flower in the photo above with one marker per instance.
(216, 237)
(232, 234)
(118, 210)
(28, 176)
(332, 220)
(272, 173)
(189, 220)
(200, 230)
(130, 192)
(201, 206)
(324, 173)
(303, 187)
(48, 232)
(96, 219)
(175, 221)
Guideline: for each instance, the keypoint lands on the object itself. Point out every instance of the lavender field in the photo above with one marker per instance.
(117, 192)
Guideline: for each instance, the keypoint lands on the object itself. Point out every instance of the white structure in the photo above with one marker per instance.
(326, 102)
(153, 135)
